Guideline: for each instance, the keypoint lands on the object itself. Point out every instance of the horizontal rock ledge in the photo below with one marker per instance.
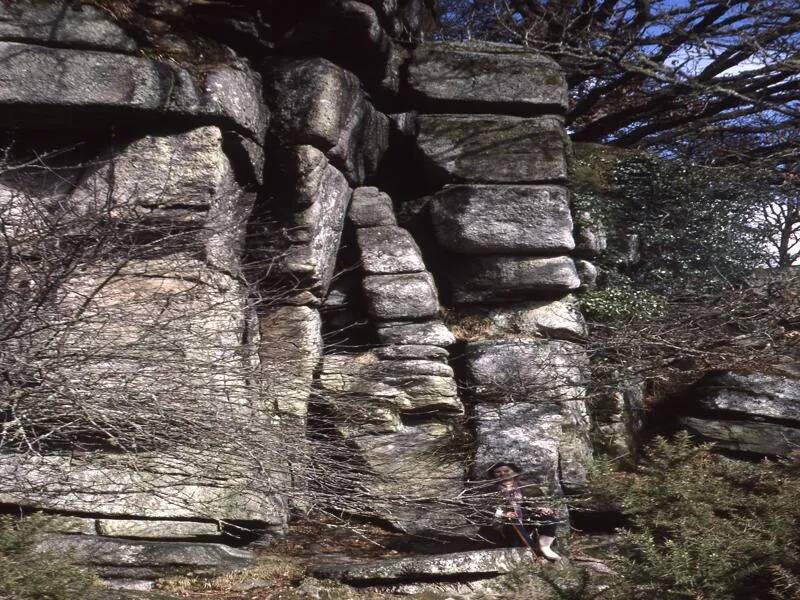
(45, 87)
(404, 297)
(492, 149)
(497, 279)
(482, 77)
(503, 219)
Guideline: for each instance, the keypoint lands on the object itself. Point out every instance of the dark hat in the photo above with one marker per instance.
(510, 465)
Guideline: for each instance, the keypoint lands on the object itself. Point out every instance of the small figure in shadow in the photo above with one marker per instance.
(516, 516)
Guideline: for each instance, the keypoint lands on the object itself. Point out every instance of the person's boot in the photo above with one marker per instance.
(544, 548)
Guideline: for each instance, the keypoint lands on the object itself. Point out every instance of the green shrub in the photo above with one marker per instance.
(618, 300)
(704, 526)
(27, 574)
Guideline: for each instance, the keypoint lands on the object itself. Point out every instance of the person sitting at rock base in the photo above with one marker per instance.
(516, 514)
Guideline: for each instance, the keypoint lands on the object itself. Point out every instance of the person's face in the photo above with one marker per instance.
(504, 473)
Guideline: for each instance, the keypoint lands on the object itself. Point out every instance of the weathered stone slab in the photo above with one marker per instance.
(479, 562)
(481, 77)
(371, 208)
(317, 232)
(145, 528)
(409, 296)
(432, 333)
(318, 103)
(745, 436)
(157, 487)
(509, 219)
(412, 351)
(543, 372)
(63, 23)
(388, 249)
(752, 395)
(492, 149)
(406, 385)
(147, 559)
(290, 349)
(493, 279)
(559, 319)
(419, 477)
(526, 434)
(587, 273)
(44, 87)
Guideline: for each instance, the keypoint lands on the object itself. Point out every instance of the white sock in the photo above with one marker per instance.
(544, 546)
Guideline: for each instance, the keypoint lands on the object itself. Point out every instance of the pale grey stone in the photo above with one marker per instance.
(432, 333)
(745, 436)
(105, 485)
(64, 23)
(147, 559)
(70, 524)
(289, 349)
(236, 92)
(412, 351)
(544, 372)
(183, 179)
(146, 528)
(370, 208)
(420, 477)
(406, 385)
(493, 279)
(408, 296)
(481, 77)
(508, 219)
(317, 230)
(55, 87)
(560, 319)
(525, 434)
(752, 395)
(388, 249)
(587, 273)
(492, 149)
(591, 237)
(483, 562)
(318, 103)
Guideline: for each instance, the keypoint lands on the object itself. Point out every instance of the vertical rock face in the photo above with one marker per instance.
(188, 322)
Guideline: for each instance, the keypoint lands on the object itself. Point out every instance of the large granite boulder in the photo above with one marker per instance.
(137, 560)
(315, 231)
(419, 478)
(181, 180)
(318, 103)
(388, 249)
(426, 568)
(407, 385)
(481, 77)
(744, 436)
(290, 348)
(543, 372)
(431, 333)
(558, 319)
(493, 279)
(492, 149)
(508, 219)
(197, 485)
(45, 87)
(748, 412)
(753, 396)
(371, 208)
(404, 297)
(62, 23)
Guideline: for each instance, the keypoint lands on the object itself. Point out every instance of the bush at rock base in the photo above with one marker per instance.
(704, 526)
(28, 575)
